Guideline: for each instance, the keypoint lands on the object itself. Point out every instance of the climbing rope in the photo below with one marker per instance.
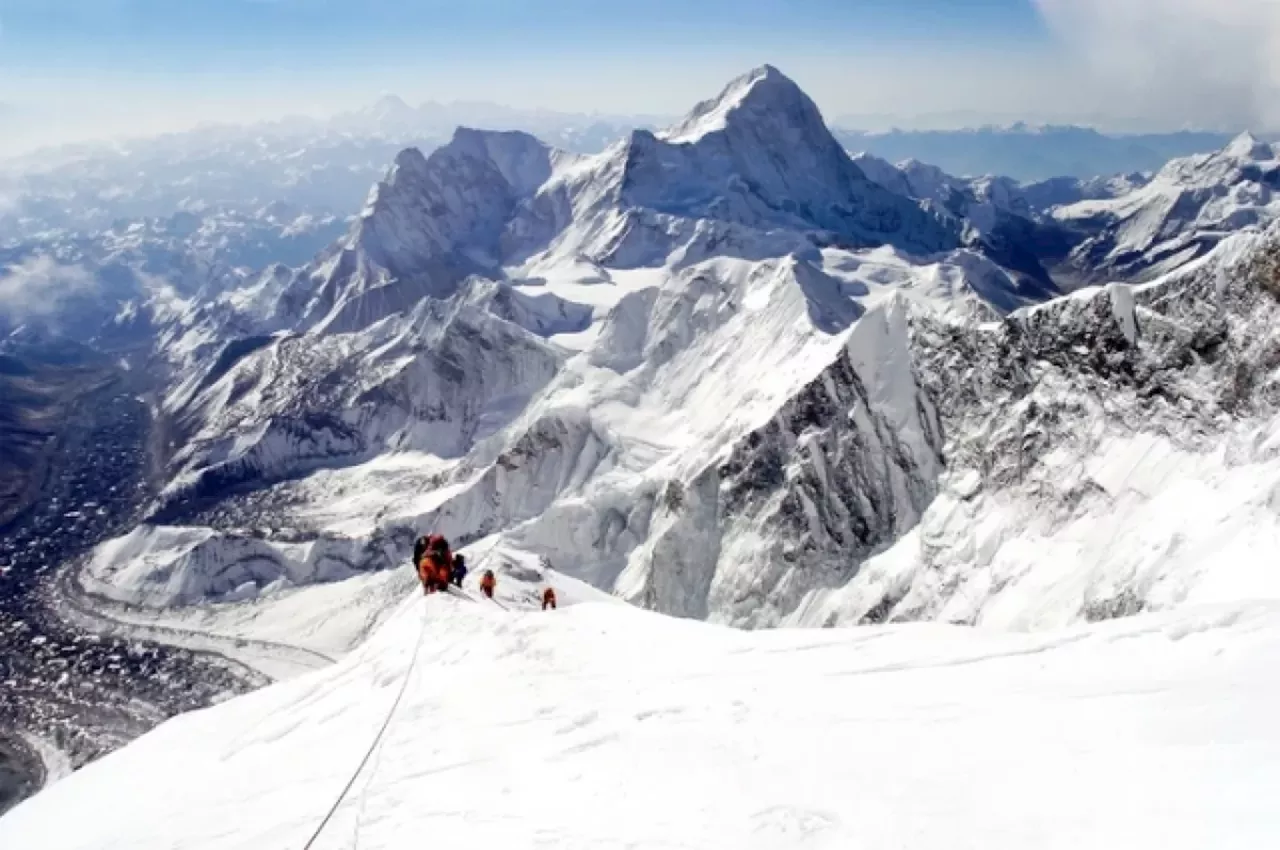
(413, 661)
(458, 592)
(386, 723)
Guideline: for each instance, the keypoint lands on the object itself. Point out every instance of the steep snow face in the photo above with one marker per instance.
(603, 726)
(1108, 453)
(842, 468)
(1180, 215)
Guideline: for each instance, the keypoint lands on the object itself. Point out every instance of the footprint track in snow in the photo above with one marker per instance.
(790, 826)
(582, 721)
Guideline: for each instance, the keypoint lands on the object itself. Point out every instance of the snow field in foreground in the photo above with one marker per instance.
(603, 726)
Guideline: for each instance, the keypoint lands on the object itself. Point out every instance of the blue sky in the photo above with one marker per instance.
(186, 35)
(140, 62)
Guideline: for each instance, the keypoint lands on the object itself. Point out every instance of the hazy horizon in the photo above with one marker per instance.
(86, 69)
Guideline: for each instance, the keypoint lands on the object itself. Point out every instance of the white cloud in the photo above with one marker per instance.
(1206, 62)
(39, 285)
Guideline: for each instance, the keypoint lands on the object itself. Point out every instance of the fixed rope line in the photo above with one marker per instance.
(467, 596)
(377, 738)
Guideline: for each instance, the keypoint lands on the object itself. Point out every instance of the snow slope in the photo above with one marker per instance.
(600, 726)
(436, 379)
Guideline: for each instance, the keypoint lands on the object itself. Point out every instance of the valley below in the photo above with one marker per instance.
(80, 692)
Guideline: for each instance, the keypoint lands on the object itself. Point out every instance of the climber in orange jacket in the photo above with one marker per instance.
(488, 583)
(548, 599)
(426, 573)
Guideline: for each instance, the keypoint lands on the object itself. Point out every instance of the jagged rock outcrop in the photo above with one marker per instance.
(844, 468)
(1089, 443)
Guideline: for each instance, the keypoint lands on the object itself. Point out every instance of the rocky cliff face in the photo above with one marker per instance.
(1104, 452)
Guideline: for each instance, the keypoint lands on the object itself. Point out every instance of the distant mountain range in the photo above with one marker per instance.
(1020, 150)
(1028, 152)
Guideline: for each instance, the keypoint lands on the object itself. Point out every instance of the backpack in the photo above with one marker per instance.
(419, 549)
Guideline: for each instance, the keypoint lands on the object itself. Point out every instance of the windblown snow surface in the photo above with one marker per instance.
(602, 726)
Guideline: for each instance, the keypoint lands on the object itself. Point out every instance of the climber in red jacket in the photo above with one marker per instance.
(435, 565)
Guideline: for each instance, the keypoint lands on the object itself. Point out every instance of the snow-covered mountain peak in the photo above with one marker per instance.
(407, 173)
(411, 160)
(390, 107)
(762, 93)
(754, 173)
(1180, 214)
(1248, 146)
(1238, 162)
(759, 155)
(523, 160)
(428, 225)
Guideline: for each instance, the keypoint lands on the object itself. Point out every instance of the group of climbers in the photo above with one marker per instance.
(438, 568)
